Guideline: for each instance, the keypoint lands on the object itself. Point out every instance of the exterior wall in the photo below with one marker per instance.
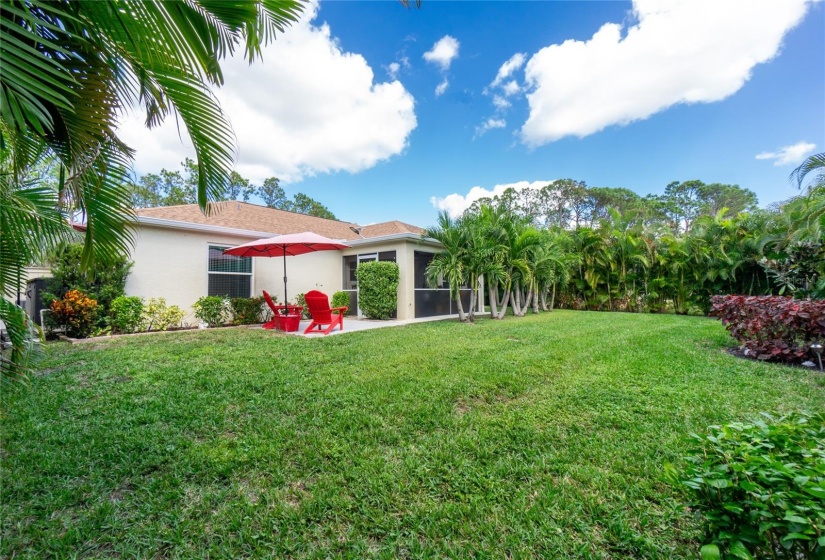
(405, 257)
(172, 264)
(404, 270)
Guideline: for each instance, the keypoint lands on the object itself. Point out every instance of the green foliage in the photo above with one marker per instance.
(170, 188)
(378, 289)
(339, 299)
(103, 282)
(213, 310)
(76, 312)
(68, 70)
(125, 314)
(159, 316)
(760, 487)
(300, 299)
(248, 311)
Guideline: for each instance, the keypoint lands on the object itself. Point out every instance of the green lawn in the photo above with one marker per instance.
(535, 437)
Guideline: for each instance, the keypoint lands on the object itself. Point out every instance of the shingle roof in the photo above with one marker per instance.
(243, 215)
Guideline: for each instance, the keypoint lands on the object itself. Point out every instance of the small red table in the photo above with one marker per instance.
(288, 322)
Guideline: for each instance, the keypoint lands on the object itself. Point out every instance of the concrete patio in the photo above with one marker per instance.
(354, 324)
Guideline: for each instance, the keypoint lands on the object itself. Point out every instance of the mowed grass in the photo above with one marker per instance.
(537, 437)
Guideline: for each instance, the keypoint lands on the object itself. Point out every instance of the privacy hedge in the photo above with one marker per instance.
(772, 328)
(378, 289)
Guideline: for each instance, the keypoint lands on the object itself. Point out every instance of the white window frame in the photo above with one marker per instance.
(224, 246)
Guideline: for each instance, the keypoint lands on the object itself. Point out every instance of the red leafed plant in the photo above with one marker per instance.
(772, 328)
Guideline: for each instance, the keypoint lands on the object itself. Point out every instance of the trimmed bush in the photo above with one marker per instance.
(340, 299)
(247, 311)
(76, 312)
(760, 488)
(158, 316)
(212, 310)
(125, 314)
(772, 328)
(377, 289)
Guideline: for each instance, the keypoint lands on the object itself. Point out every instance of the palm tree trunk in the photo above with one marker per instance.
(461, 315)
(503, 309)
(553, 298)
(492, 294)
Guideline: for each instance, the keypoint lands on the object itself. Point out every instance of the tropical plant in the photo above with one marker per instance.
(760, 488)
(69, 69)
(76, 312)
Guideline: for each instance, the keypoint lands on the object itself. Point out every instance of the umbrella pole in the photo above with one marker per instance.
(286, 299)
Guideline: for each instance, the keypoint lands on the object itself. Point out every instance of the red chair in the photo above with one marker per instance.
(279, 321)
(273, 324)
(322, 315)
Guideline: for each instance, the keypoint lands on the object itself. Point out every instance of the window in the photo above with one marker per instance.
(228, 275)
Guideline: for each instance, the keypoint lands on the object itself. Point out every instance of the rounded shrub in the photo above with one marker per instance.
(340, 299)
(212, 310)
(125, 313)
(378, 289)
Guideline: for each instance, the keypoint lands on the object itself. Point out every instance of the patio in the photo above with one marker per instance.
(353, 324)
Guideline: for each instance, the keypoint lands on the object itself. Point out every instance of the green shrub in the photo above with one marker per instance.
(158, 316)
(760, 487)
(341, 299)
(76, 312)
(125, 314)
(301, 300)
(212, 310)
(377, 289)
(104, 282)
(247, 311)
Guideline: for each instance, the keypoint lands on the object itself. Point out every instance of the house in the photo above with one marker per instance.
(178, 255)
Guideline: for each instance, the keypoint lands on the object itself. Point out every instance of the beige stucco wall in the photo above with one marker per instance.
(172, 264)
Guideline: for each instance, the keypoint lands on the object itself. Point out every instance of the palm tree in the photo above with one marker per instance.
(450, 263)
(69, 70)
(813, 164)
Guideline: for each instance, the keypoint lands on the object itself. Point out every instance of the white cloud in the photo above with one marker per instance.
(510, 88)
(441, 88)
(679, 51)
(393, 69)
(489, 124)
(308, 107)
(456, 203)
(500, 103)
(444, 51)
(789, 155)
(506, 70)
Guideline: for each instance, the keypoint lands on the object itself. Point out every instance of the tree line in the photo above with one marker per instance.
(569, 245)
(171, 188)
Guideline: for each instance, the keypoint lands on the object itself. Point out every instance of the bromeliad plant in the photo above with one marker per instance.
(760, 488)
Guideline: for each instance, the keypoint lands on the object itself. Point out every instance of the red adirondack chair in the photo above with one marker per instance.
(322, 315)
(277, 321)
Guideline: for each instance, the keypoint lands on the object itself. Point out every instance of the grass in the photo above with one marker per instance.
(536, 437)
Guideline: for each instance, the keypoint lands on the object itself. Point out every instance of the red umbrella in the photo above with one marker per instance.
(291, 244)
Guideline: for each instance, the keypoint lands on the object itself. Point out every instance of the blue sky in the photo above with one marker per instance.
(346, 107)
